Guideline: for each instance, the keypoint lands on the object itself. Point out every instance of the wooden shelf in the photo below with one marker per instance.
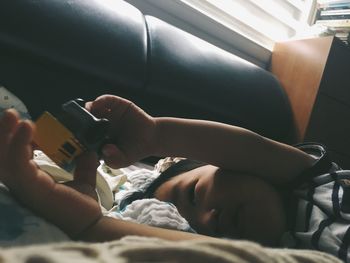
(314, 73)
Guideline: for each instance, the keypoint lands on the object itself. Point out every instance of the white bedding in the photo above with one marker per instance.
(141, 249)
(144, 211)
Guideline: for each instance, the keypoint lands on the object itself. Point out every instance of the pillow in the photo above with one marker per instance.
(9, 100)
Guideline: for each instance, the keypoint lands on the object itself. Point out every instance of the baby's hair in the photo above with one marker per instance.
(174, 170)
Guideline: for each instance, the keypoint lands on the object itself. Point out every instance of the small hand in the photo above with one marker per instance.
(132, 131)
(72, 206)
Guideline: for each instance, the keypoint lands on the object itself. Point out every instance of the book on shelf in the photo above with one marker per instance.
(341, 23)
(332, 2)
(334, 7)
(335, 16)
(335, 12)
(325, 14)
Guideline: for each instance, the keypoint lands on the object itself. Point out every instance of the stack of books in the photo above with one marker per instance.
(335, 15)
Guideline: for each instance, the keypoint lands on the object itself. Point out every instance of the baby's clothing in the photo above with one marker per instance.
(322, 206)
(146, 209)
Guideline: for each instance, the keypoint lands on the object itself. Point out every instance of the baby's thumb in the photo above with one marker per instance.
(86, 166)
(114, 157)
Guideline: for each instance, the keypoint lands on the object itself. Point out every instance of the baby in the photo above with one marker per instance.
(218, 202)
(232, 192)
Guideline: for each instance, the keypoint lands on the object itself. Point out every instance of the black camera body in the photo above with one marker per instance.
(73, 131)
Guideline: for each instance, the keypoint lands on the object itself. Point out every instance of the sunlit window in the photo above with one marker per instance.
(263, 21)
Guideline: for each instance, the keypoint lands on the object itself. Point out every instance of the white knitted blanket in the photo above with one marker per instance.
(141, 249)
(148, 211)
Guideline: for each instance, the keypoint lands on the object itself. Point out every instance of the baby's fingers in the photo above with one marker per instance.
(20, 150)
(114, 157)
(8, 123)
(85, 171)
(15, 150)
(108, 106)
(8, 120)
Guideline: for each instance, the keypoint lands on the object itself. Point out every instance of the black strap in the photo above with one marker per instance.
(176, 169)
(322, 165)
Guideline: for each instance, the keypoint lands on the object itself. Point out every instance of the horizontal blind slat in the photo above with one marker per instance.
(299, 4)
(253, 16)
(278, 13)
(269, 20)
(233, 16)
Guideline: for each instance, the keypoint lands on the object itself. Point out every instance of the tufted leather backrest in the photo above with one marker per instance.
(55, 50)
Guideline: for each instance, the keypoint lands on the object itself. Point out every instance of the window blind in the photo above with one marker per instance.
(262, 21)
(215, 24)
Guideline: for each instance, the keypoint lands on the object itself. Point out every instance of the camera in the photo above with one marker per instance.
(73, 131)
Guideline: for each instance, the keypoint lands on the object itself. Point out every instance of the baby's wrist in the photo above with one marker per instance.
(157, 141)
(154, 145)
(85, 234)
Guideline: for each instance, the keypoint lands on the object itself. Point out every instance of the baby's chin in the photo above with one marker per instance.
(273, 239)
(277, 227)
(266, 220)
(270, 235)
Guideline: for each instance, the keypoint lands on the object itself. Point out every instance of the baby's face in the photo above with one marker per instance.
(225, 204)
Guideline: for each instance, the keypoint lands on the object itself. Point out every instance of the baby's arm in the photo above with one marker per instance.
(230, 147)
(137, 135)
(73, 207)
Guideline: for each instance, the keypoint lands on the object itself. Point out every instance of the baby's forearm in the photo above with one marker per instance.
(230, 147)
(68, 209)
(108, 228)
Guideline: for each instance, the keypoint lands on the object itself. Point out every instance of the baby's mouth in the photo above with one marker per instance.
(230, 225)
(239, 221)
(216, 221)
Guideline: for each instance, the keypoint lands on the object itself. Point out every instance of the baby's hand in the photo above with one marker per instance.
(132, 132)
(72, 206)
(15, 151)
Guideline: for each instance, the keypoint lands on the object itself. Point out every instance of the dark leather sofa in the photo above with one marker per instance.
(55, 50)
